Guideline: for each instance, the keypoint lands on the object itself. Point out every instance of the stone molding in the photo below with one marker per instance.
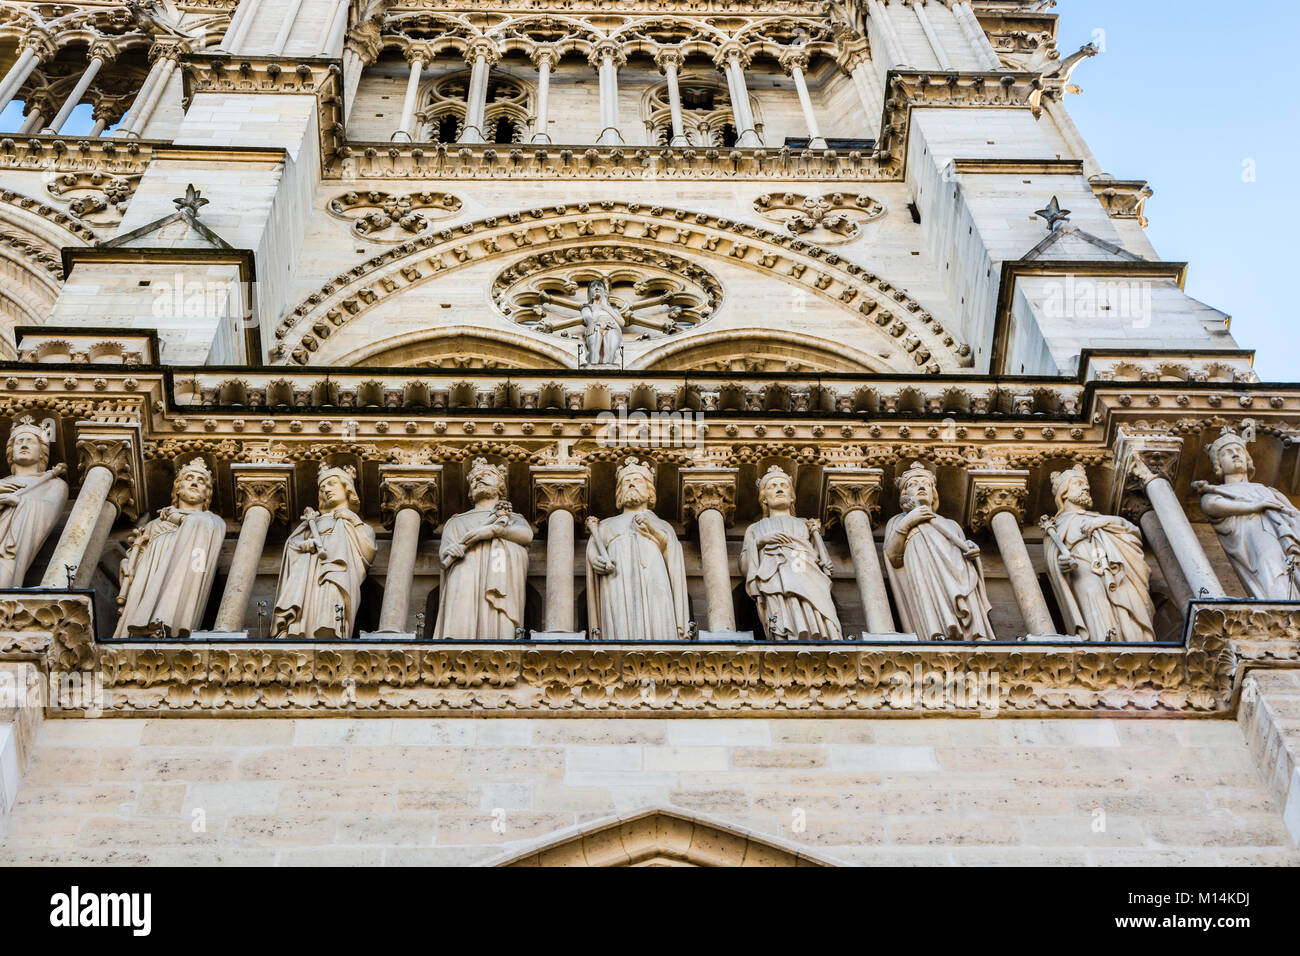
(1203, 677)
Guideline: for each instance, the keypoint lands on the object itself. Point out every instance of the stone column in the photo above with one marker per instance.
(37, 110)
(409, 496)
(544, 57)
(36, 48)
(852, 496)
(997, 499)
(794, 62)
(416, 55)
(100, 53)
(732, 60)
(708, 496)
(975, 35)
(1144, 516)
(1147, 461)
(607, 57)
(112, 471)
(481, 54)
(263, 493)
(559, 496)
(165, 59)
(669, 62)
(931, 36)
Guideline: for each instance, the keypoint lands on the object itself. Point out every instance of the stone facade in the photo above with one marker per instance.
(400, 292)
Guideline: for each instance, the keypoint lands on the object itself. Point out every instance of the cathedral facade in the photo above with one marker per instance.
(529, 432)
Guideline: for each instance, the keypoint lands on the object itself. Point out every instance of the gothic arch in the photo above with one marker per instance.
(659, 837)
(482, 349)
(912, 338)
(703, 131)
(739, 350)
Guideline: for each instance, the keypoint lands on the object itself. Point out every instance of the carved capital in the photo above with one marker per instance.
(559, 488)
(418, 487)
(993, 490)
(1142, 456)
(670, 56)
(708, 489)
(418, 51)
(39, 43)
(545, 52)
(103, 49)
(732, 51)
(267, 485)
(482, 47)
(117, 448)
(607, 50)
(793, 57)
(845, 490)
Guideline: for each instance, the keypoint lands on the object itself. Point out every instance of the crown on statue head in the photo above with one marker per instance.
(1060, 479)
(199, 467)
(1226, 437)
(916, 470)
(481, 465)
(634, 467)
(29, 425)
(347, 473)
(776, 471)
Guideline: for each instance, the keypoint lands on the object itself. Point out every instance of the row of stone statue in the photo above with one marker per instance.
(636, 578)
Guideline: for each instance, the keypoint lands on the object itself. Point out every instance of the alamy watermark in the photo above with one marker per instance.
(1083, 297)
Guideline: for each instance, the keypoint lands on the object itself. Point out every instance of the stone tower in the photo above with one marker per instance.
(730, 378)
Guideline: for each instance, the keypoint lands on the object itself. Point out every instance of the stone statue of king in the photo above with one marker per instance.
(325, 560)
(484, 554)
(168, 571)
(31, 500)
(1258, 526)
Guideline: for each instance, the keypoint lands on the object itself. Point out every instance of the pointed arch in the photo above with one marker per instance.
(661, 837)
(470, 346)
(766, 350)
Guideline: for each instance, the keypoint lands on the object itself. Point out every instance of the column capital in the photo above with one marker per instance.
(792, 57)
(708, 489)
(418, 51)
(732, 50)
(994, 490)
(1141, 456)
(168, 48)
(559, 488)
(607, 50)
(547, 52)
(669, 56)
(417, 487)
(116, 447)
(848, 489)
(482, 47)
(267, 484)
(103, 49)
(40, 43)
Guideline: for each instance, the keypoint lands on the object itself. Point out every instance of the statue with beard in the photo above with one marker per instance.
(636, 575)
(325, 560)
(1096, 565)
(1258, 526)
(31, 500)
(484, 554)
(169, 569)
(786, 568)
(935, 571)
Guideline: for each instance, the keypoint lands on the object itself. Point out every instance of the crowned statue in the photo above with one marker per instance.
(1258, 526)
(172, 560)
(1097, 567)
(934, 569)
(325, 561)
(636, 575)
(787, 568)
(602, 325)
(31, 499)
(484, 554)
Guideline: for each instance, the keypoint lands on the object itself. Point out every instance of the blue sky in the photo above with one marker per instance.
(1186, 94)
(1191, 98)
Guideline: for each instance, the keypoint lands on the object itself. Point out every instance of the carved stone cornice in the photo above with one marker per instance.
(846, 489)
(993, 490)
(116, 447)
(559, 488)
(269, 485)
(183, 678)
(418, 487)
(1123, 199)
(708, 488)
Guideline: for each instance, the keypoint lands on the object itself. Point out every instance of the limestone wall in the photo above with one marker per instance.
(405, 791)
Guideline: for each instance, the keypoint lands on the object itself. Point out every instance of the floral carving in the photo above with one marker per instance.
(828, 218)
(392, 217)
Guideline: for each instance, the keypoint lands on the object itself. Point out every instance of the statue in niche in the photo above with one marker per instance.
(636, 574)
(31, 499)
(172, 561)
(1096, 565)
(325, 560)
(787, 569)
(934, 569)
(602, 325)
(484, 554)
(1258, 526)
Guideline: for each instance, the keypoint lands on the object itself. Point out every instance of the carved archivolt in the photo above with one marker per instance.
(659, 294)
(829, 218)
(913, 338)
(380, 216)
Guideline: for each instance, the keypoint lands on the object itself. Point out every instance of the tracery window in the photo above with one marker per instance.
(706, 113)
(506, 119)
